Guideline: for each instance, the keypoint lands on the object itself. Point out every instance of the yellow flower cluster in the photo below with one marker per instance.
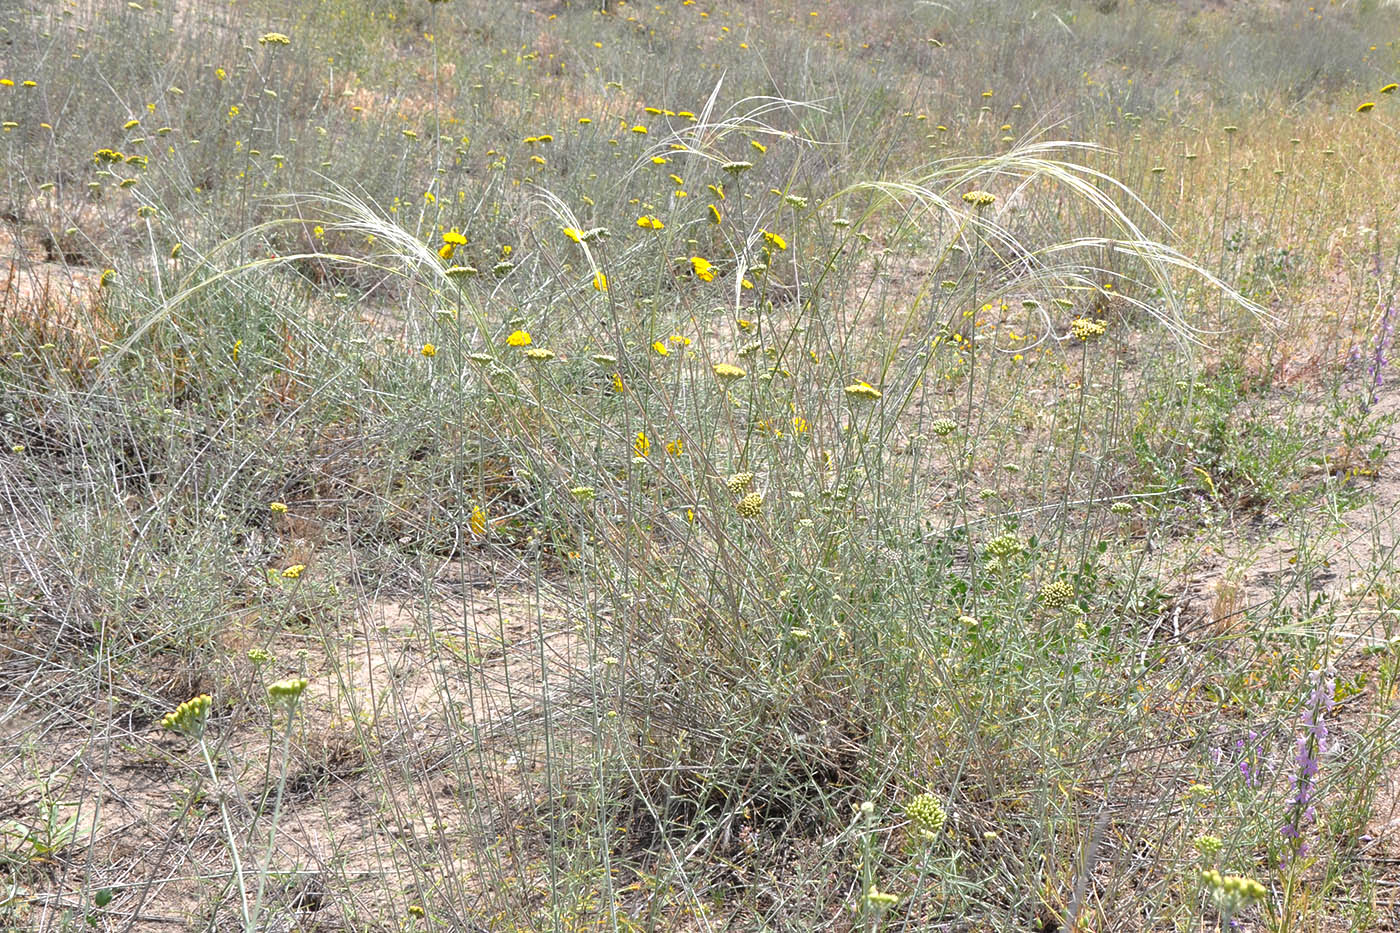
(287, 692)
(190, 717)
(862, 392)
(728, 372)
(1231, 892)
(1087, 328)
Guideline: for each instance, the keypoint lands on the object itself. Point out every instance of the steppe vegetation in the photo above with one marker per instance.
(698, 466)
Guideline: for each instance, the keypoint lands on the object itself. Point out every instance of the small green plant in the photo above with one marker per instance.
(48, 836)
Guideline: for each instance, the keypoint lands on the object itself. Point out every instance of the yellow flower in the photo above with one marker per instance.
(674, 447)
(428, 350)
(661, 348)
(715, 216)
(278, 507)
(703, 268)
(294, 571)
(477, 522)
(1389, 88)
(799, 424)
(979, 198)
(1366, 106)
(520, 338)
(618, 385)
(863, 391)
(728, 372)
(639, 130)
(286, 692)
(600, 281)
(1087, 329)
(758, 145)
(641, 445)
(189, 717)
(774, 239)
(274, 38)
(650, 222)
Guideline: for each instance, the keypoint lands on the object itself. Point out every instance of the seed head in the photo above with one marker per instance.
(751, 506)
(739, 482)
(1209, 846)
(927, 812)
(1056, 595)
(1005, 545)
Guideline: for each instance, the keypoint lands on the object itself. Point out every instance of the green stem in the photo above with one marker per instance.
(250, 921)
(228, 833)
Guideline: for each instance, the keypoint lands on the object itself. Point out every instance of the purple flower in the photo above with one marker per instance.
(1377, 368)
(1312, 745)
